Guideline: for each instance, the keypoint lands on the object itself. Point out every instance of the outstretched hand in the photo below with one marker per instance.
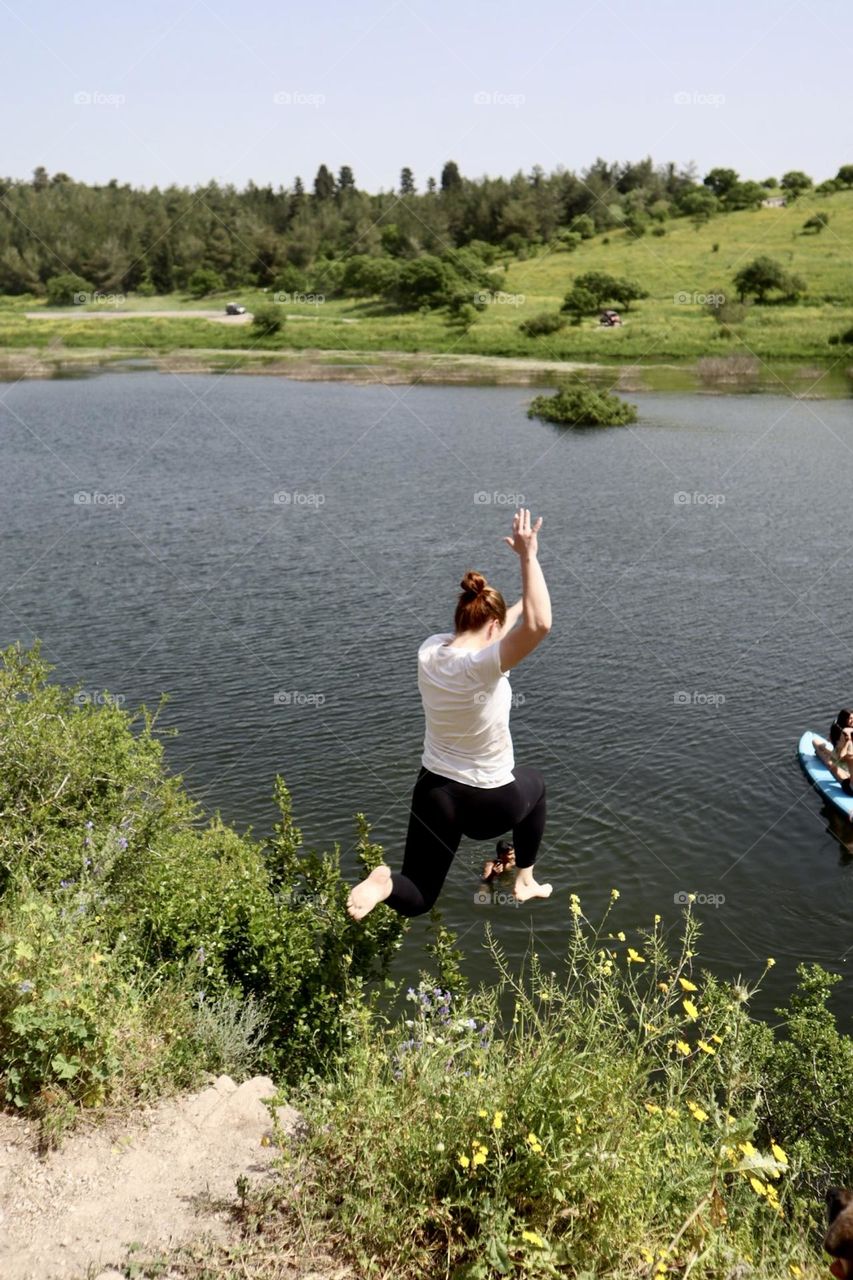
(524, 540)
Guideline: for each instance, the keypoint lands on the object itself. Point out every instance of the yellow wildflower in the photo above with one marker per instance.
(652, 1108)
(634, 957)
(671, 1111)
(717, 1039)
(778, 1153)
(614, 894)
(533, 1237)
(498, 1120)
(621, 935)
(651, 1030)
(663, 986)
(706, 1048)
(794, 1269)
(657, 919)
(480, 1156)
(482, 1113)
(575, 908)
(770, 962)
(534, 1143)
(687, 985)
(747, 1148)
(647, 1255)
(464, 1161)
(757, 1185)
(683, 1047)
(696, 1111)
(690, 1009)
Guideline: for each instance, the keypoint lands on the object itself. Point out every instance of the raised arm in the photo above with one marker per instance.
(513, 614)
(535, 601)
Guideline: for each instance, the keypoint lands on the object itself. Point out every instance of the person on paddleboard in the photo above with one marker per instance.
(469, 783)
(837, 754)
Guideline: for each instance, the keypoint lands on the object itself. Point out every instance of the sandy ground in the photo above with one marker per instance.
(159, 1178)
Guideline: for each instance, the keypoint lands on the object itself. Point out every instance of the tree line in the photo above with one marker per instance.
(119, 238)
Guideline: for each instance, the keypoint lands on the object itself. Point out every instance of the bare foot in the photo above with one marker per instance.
(526, 887)
(364, 897)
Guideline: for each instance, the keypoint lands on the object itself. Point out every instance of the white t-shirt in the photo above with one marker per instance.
(466, 701)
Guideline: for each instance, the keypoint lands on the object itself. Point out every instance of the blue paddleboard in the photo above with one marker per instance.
(821, 776)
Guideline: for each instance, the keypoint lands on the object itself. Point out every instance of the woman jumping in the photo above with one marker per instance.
(468, 784)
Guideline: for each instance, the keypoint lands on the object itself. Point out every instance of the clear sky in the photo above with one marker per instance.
(182, 91)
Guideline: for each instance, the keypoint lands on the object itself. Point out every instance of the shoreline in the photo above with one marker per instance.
(718, 375)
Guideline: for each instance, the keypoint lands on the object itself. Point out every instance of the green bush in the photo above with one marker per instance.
(580, 405)
(268, 319)
(99, 836)
(68, 290)
(82, 1021)
(807, 1084)
(204, 281)
(599, 1122)
(544, 323)
(846, 337)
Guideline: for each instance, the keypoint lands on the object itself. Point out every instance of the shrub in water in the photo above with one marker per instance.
(580, 405)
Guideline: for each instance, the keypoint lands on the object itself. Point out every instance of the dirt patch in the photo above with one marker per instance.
(164, 1177)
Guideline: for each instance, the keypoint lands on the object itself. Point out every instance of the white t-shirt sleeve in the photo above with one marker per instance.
(485, 665)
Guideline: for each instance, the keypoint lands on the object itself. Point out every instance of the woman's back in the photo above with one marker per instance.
(466, 700)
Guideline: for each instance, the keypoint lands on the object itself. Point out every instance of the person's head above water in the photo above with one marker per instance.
(479, 605)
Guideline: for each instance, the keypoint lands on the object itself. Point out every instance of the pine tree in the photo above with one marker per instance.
(324, 184)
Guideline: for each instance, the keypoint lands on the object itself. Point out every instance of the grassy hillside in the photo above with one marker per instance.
(678, 269)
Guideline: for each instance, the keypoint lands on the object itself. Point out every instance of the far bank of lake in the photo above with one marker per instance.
(740, 374)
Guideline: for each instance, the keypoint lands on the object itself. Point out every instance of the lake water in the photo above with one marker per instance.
(697, 564)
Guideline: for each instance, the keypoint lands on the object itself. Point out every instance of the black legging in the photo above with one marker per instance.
(443, 811)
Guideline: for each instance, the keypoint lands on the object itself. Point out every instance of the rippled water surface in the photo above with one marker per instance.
(698, 564)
